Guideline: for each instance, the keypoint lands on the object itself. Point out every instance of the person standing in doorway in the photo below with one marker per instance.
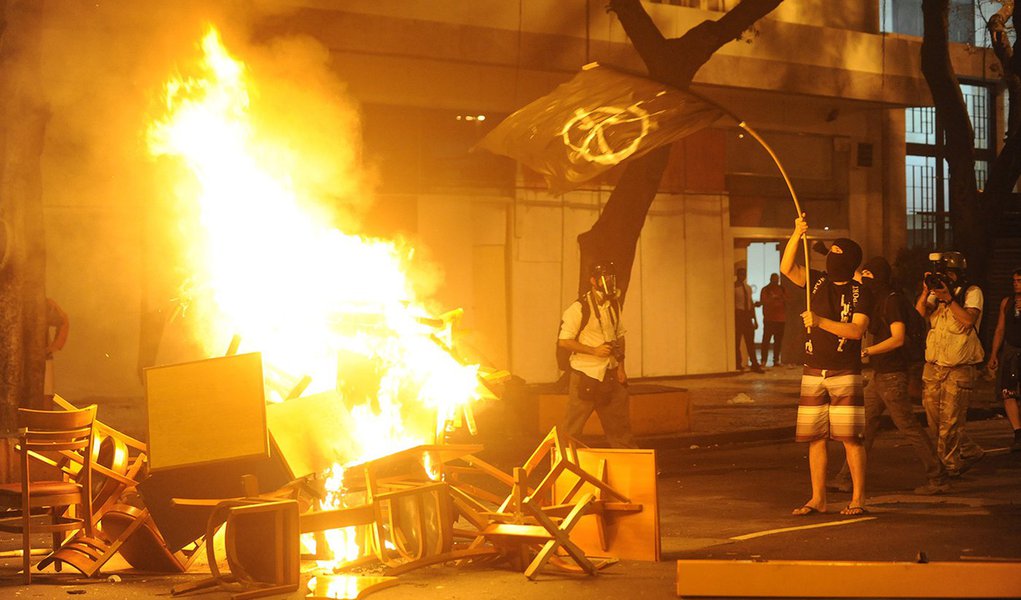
(774, 301)
(745, 321)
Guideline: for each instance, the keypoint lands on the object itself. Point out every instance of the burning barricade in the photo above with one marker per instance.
(326, 449)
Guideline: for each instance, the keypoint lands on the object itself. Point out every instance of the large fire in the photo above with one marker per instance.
(267, 263)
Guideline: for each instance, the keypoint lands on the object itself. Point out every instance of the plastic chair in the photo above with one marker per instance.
(45, 436)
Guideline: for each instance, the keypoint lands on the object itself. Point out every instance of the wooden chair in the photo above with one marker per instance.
(48, 433)
(117, 464)
(262, 546)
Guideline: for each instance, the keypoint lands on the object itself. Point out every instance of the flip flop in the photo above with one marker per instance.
(854, 511)
(806, 511)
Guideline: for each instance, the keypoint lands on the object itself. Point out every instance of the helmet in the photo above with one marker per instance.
(955, 260)
(948, 260)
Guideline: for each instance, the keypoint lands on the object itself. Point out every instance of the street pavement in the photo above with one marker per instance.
(725, 489)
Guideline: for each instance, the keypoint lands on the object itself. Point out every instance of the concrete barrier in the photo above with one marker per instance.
(655, 410)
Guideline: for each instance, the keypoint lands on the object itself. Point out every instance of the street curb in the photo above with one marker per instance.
(771, 434)
(680, 441)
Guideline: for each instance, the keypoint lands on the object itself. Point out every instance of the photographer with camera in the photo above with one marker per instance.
(594, 336)
(953, 309)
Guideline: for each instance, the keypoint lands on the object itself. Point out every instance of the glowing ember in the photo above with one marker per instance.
(267, 262)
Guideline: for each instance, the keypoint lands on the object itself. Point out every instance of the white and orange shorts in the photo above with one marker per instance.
(831, 406)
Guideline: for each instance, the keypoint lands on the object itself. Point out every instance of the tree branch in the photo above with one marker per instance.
(997, 27)
(674, 62)
(1005, 170)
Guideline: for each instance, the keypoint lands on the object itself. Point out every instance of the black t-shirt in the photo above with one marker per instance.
(890, 307)
(838, 303)
(1011, 324)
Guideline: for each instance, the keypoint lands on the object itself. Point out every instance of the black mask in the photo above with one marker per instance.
(840, 266)
(873, 285)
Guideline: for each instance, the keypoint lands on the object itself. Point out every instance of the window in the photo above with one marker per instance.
(927, 182)
(967, 19)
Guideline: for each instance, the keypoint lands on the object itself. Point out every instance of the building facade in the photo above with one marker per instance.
(826, 83)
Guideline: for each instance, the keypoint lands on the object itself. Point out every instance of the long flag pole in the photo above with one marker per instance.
(790, 187)
(797, 205)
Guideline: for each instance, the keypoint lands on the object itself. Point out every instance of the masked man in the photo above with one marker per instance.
(953, 350)
(887, 391)
(591, 329)
(832, 403)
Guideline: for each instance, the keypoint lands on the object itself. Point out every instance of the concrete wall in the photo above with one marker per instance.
(678, 307)
(508, 57)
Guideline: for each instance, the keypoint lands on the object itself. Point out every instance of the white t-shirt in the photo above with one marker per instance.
(950, 343)
(602, 327)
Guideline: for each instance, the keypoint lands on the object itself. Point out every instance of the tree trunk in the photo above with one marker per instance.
(673, 62)
(23, 265)
(1006, 168)
(965, 208)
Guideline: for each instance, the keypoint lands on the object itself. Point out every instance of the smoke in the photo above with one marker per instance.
(114, 228)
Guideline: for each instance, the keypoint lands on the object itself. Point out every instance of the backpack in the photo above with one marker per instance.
(564, 354)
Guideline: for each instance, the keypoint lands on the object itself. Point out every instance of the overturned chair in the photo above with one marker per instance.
(122, 524)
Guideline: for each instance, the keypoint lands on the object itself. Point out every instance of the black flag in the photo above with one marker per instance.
(593, 122)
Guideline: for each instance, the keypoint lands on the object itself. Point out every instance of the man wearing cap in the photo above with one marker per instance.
(887, 391)
(597, 382)
(832, 404)
(953, 351)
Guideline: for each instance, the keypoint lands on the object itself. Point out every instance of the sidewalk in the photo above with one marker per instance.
(726, 408)
(737, 407)
(748, 406)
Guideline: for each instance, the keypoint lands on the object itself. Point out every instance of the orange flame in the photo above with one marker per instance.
(267, 262)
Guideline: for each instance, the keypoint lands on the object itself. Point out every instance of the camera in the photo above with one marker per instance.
(617, 350)
(940, 262)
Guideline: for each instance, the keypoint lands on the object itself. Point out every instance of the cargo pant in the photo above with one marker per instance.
(614, 412)
(945, 395)
(888, 392)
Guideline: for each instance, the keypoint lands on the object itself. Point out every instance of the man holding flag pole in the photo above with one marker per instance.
(832, 402)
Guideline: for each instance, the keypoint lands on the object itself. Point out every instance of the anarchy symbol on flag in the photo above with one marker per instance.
(594, 134)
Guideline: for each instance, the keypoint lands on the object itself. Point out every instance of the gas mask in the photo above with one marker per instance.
(605, 281)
